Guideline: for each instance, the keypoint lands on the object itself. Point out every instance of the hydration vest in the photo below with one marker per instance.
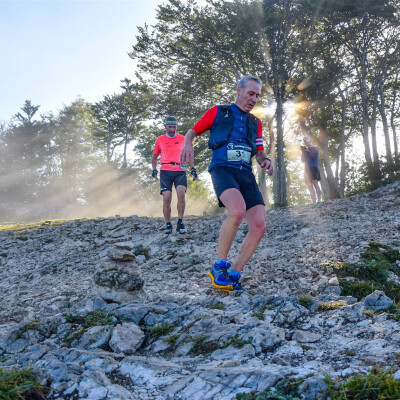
(222, 129)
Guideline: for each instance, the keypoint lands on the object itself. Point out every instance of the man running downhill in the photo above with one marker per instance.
(169, 146)
(235, 137)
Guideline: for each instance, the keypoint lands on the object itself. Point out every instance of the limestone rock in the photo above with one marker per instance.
(126, 338)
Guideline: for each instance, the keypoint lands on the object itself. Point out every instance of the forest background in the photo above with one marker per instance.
(330, 71)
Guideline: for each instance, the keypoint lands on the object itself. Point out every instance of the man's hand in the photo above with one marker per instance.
(187, 154)
(193, 172)
(267, 165)
(154, 174)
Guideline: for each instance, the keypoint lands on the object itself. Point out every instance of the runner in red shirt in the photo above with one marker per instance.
(169, 146)
(235, 137)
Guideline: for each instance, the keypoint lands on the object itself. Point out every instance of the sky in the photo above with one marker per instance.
(53, 51)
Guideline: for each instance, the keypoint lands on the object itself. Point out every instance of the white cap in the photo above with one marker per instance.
(307, 138)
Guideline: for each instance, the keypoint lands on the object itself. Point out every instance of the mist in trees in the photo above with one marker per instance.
(330, 71)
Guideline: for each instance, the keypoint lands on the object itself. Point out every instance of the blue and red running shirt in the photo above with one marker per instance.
(219, 155)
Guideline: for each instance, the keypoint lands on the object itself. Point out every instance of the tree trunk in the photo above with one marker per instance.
(125, 163)
(382, 111)
(392, 122)
(109, 137)
(280, 192)
(342, 183)
(324, 181)
(332, 184)
(373, 127)
(365, 119)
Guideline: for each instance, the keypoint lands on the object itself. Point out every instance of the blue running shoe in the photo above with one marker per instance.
(234, 276)
(220, 278)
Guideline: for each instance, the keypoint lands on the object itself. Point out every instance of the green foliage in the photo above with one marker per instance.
(378, 384)
(260, 313)
(234, 341)
(30, 326)
(305, 301)
(201, 346)
(216, 306)
(372, 272)
(331, 305)
(160, 330)
(358, 289)
(283, 390)
(83, 322)
(94, 318)
(142, 251)
(171, 339)
(15, 384)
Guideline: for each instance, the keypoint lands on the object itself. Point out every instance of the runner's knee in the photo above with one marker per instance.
(236, 215)
(258, 227)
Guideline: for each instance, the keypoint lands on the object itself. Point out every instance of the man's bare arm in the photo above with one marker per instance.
(187, 152)
(264, 162)
(154, 161)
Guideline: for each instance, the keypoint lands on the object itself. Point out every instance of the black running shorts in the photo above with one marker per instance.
(312, 173)
(167, 178)
(227, 178)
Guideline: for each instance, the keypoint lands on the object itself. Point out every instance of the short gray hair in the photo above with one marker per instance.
(245, 79)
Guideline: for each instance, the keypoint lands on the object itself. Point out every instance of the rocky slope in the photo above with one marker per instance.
(114, 309)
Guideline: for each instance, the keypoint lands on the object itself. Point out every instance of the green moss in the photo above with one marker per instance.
(201, 346)
(283, 390)
(305, 301)
(83, 322)
(331, 305)
(160, 330)
(378, 384)
(94, 318)
(234, 341)
(142, 251)
(30, 326)
(17, 384)
(369, 314)
(260, 313)
(348, 352)
(171, 339)
(217, 306)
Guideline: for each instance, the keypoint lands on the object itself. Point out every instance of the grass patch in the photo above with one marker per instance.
(21, 227)
(260, 313)
(305, 301)
(142, 251)
(30, 326)
(234, 341)
(83, 322)
(331, 305)
(378, 384)
(171, 339)
(94, 318)
(17, 384)
(372, 272)
(160, 330)
(217, 306)
(283, 390)
(200, 346)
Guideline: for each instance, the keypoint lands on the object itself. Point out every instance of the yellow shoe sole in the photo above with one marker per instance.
(227, 288)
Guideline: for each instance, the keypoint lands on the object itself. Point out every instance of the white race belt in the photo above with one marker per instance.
(238, 153)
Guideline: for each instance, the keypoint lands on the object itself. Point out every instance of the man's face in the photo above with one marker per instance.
(307, 142)
(247, 96)
(170, 129)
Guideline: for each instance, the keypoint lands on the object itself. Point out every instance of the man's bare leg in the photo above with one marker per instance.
(255, 218)
(236, 207)
(167, 197)
(180, 192)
